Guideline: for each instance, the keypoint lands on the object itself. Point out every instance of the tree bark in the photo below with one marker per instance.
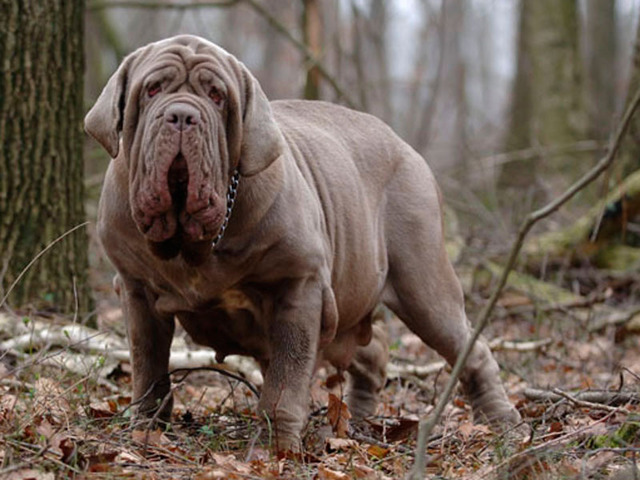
(548, 105)
(41, 167)
(312, 31)
(600, 39)
(630, 149)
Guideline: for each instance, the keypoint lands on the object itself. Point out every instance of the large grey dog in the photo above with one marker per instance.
(271, 230)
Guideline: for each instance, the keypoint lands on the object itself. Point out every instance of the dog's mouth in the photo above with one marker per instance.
(178, 182)
(192, 217)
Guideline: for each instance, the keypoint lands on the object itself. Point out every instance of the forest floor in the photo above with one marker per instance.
(64, 400)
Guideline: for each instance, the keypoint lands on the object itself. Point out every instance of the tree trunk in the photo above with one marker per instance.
(41, 167)
(600, 39)
(548, 106)
(630, 148)
(312, 31)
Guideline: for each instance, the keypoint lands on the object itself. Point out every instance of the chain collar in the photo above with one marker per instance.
(232, 192)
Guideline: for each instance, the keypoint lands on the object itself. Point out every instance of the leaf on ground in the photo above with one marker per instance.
(510, 299)
(555, 429)
(70, 453)
(213, 474)
(49, 400)
(325, 473)
(30, 474)
(468, 430)
(100, 462)
(128, 456)
(403, 430)
(338, 415)
(106, 409)
(378, 451)
(231, 464)
(335, 444)
(150, 437)
(8, 403)
(362, 471)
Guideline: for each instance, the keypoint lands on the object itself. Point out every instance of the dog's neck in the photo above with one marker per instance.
(254, 199)
(232, 192)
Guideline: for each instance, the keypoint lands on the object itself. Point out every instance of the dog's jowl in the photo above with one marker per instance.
(271, 229)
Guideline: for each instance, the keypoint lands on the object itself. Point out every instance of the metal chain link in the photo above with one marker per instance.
(232, 192)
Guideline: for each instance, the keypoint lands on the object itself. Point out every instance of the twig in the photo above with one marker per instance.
(589, 397)
(101, 5)
(361, 437)
(35, 259)
(261, 10)
(614, 320)
(426, 425)
(420, 371)
(187, 372)
(222, 371)
(308, 55)
(498, 344)
(502, 344)
(551, 443)
(632, 373)
(585, 146)
(4, 473)
(586, 404)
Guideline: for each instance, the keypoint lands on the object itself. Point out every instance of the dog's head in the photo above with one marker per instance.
(185, 114)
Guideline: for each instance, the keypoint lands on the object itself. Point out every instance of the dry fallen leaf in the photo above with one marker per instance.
(338, 415)
(335, 444)
(150, 437)
(325, 473)
(105, 409)
(213, 474)
(231, 464)
(403, 430)
(377, 451)
(30, 474)
(48, 400)
(468, 429)
(510, 299)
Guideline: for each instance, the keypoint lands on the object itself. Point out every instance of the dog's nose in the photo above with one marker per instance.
(182, 116)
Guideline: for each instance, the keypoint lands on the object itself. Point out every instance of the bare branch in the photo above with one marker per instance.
(308, 55)
(312, 60)
(588, 398)
(35, 259)
(167, 5)
(427, 424)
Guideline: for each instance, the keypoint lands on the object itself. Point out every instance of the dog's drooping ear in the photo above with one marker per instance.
(104, 120)
(262, 141)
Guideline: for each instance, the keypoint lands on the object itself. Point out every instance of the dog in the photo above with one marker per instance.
(271, 229)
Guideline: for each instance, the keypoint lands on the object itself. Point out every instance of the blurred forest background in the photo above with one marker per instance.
(493, 93)
(509, 101)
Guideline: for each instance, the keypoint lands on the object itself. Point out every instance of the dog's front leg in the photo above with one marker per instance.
(293, 339)
(150, 336)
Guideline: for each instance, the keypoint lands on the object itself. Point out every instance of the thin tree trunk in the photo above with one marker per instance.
(548, 104)
(41, 168)
(630, 149)
(312, 32)
(600, 76)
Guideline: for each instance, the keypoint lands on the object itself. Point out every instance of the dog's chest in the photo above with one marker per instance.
(233, 323)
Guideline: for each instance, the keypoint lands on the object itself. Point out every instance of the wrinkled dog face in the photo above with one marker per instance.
(179, 152)
(188, 113)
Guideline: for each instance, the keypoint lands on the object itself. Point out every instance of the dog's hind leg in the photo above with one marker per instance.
(423, 289)
(367, 374)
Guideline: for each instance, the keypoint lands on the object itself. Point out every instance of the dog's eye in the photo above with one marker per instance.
(154, 89)
(216, 95)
